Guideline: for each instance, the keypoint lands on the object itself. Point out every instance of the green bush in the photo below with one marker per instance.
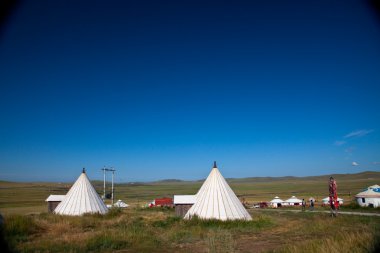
(18, 228)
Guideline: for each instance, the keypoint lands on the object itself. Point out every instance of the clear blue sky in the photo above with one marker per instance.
(161, 90)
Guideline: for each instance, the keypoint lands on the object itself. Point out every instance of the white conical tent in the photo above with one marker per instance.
(216, 200)
(81, 198)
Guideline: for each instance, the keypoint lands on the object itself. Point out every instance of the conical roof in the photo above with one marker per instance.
(372, 191)
(216, 200)
(276, 200)
(81, 198)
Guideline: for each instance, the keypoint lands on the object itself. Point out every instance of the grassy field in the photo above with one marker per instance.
(157, 230)
(25, 198)
(28, 228)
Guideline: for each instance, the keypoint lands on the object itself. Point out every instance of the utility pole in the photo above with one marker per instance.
(104, 182)
(112, 192)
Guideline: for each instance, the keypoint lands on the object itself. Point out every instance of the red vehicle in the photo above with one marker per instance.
(163, 202)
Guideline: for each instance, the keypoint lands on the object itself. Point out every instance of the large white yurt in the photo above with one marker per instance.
(276, 202)
(293, 201)
(216, 200)
(82, 198)
(369, 197)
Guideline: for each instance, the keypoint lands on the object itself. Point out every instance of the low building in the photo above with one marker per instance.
(53, 201)
(326, 201)
(183, 203)
(293, 201)
(369, 197)
(276, 202)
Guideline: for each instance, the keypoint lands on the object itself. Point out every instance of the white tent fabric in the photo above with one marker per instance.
(276, 202)
(216, 200)
(82, 198)
(327, 200)
(293, 201)
(120, 204)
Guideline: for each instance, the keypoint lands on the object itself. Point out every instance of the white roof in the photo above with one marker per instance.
(276, 200)
(81, 198)
(120, 203)
(216, 200)
(293, 199)
(371, 192)
(55, 198)
(327, 199)
(184, 199)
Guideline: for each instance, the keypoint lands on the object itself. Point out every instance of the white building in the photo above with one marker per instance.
(276, 202)
(293, 201)
(369, 197)
(326, 201)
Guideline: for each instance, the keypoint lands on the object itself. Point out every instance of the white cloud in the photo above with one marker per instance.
(358, 133)
(355, 164)
(339, 143)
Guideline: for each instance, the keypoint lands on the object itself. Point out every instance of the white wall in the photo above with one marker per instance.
(374, 201)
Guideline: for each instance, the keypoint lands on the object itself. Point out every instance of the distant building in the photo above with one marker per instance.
(293, 201)
(326, 201)
(163, 202)
(183, 203)
(276, 202)
(369, 197)
(53, 201)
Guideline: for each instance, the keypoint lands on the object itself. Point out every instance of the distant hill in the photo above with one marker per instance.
(356, 176)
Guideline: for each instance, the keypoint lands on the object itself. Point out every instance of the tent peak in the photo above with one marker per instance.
(214, 165)
(83, 170)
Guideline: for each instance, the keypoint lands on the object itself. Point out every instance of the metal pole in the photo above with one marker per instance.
(113, 172)
(104, 183)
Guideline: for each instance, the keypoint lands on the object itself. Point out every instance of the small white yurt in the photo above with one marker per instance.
(82, 198)
(120, 204)
(369, 197)
(326, 201)
(216, 200)
(276, 202)
(293, 201)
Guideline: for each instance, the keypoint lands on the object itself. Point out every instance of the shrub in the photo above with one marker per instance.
(17, 228)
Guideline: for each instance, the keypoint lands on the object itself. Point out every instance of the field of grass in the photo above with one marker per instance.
(29, 197)
(28, 228)
(158, 230)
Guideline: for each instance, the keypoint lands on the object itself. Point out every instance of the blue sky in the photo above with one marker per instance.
(161, 90)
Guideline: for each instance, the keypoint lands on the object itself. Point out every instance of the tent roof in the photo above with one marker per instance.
(55, 198)
(276, 200)
(372, 191)
(120, 203)
(81, 198)
(184, 199)
(216, 200)
(293, 199)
